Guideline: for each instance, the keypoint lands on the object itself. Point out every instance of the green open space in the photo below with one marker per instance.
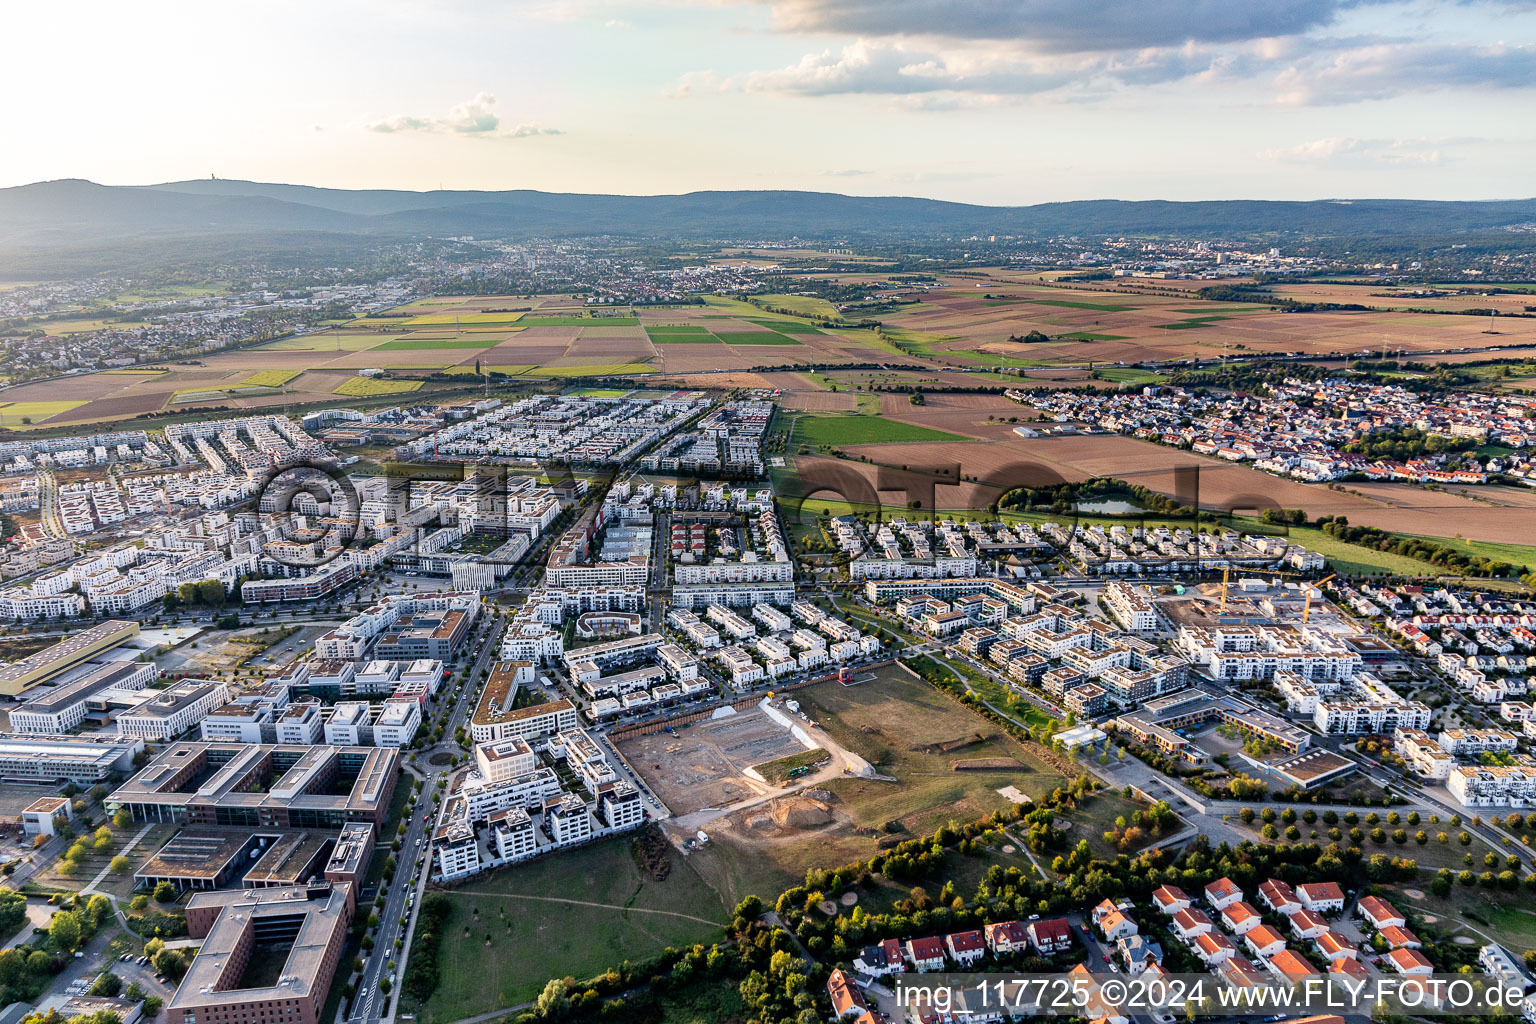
(676, 329)
(785, 327)
(445, 319)
(1129, 375)
(1515, 554)
(576, 912)
(909, 730)
(800, 305)
(685, 339)
(21, 414)
(844, 430)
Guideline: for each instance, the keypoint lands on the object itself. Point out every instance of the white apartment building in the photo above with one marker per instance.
(1131, 606)
(1472, 742)
(514, 834)
(679, 664)
(504, 760)
(300, 722)
(348, 724)
(174, 711)
(458, 853)
(1495, 785)
(396, 723)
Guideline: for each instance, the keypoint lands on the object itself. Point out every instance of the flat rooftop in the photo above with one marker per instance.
(195, 853)
(290, 860)
(313, 913)
(66, 652)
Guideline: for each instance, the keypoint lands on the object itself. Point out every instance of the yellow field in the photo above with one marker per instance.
(12, 413)
(371, 387)
(127, 372)
(448, 319)
(269, 378)
(596, 370)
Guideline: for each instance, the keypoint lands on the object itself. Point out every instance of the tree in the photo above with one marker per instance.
(165, 892)
(122, 819)
(554, 1002)
(65, 930)
(119, 864)
(170, 963)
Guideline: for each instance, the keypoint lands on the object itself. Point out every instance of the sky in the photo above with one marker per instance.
(989, 101)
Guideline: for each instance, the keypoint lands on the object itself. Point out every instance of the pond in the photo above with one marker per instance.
(1108, 507)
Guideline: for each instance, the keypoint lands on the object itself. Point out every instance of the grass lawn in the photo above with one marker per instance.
(1191, 323)
(598, 393)
(269, 378)
(897, 723)
(842, 430)
(676, 329)
(1515, 554)
(800, 305)
(1130, 375)
(508, 933)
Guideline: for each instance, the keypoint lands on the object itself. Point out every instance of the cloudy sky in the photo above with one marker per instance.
(991, 101)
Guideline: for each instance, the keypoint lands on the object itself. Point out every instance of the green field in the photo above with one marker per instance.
(842, 430)
(269, 378)
(20, 414)
(1102, 307)
(785, 327)
(1129, 375)
(598, 393)
(1191, 323)
(676, 329)
(576, 912)
(406, 344)
(704, 338)
(371, 387)
(757, 338)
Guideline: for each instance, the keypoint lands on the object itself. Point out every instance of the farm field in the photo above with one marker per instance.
(270, 378)
(368, 387)
(584, 910)
(861, 429)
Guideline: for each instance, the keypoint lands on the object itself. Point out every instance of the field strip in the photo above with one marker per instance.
(586, 903)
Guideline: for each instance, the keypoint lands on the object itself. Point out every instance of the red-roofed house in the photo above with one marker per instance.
(847, 1000)
(1213, 948)
(1240, 972)
(926, 954)
(1006, 936)
(1264, 941)
(1186, 924)
(1397, 937)
(1379, 913)
(1409, 961)
(1279, 897)
(1321, 897)
(1222, 893)
(1349, 968)
(966, 947)
(1291, 966)
(1240, 918)
(1050, 936)
(1335, 947)
(1307, 925)
(1170, 899)
(1115, 925)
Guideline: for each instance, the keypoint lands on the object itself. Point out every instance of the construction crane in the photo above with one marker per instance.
(1225, 573)
(1306, 608)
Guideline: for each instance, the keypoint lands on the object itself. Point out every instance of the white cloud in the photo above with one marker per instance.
(1341, 149)
(476, 118)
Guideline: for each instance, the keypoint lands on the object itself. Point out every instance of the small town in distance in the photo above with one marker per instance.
(778, 512)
